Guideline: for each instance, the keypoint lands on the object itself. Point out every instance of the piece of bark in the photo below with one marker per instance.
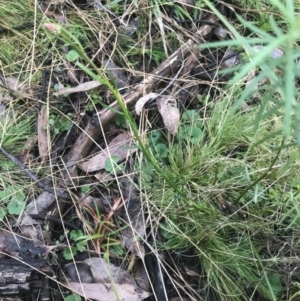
(105, 116)
(16, 276)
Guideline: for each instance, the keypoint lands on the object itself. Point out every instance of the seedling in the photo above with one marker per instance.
(111, 165)
(121, 121)
(73, 297)
(95, 99)
(80, 245)
(191, 129)
(15, 201)
(60, 123)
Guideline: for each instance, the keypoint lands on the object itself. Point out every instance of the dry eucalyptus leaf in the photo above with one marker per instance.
(10, 83)
(167, 107)
(2, 109)
(221, 33)
(80, 88)
(104, 177)
(71, 72)
(275, 54)
(142, 101)
(141, 275)
(234, 60)
(132, 27)
(99, 276)
(104, 291)
(120, 146)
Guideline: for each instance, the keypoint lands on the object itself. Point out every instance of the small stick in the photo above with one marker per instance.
(49, 218)
(31, 175)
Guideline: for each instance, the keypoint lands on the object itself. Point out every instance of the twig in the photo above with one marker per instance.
(49, 218)
(32, 176)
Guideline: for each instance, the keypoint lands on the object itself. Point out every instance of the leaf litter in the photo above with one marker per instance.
(95, 278)
(101, 168)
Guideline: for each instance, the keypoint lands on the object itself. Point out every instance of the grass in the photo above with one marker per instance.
(226, 187)
(222, 167)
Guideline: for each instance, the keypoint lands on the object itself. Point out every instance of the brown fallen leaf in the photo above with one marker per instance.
(27, 148)
(104, 291)
(234, 60)
(119, 146)
(43, 137)
(95, 278)
(167, 107)
(221, 33)
(71, 72)
(12, 83)
(104, 177)
(141, 275)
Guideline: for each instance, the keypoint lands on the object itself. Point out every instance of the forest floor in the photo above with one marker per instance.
(149, 150)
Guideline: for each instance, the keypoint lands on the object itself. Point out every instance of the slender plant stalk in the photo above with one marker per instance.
(75, 44)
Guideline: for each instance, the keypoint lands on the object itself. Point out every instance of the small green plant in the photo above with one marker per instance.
(95, 99)
(121, 121)
(60, 123)
(73, 297)
(72, 56)
(16, 201)
(215, 160)
(192, 127)
(111, 165)
(81, 241)
(158, 145)
(85, 189)
(80, 245)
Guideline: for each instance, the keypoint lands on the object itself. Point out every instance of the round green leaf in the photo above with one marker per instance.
(15, 207)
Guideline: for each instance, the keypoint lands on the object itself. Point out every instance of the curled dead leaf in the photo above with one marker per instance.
(167, 107)
(142, 101)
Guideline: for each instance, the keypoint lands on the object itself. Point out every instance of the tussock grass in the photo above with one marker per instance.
(221, 169)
